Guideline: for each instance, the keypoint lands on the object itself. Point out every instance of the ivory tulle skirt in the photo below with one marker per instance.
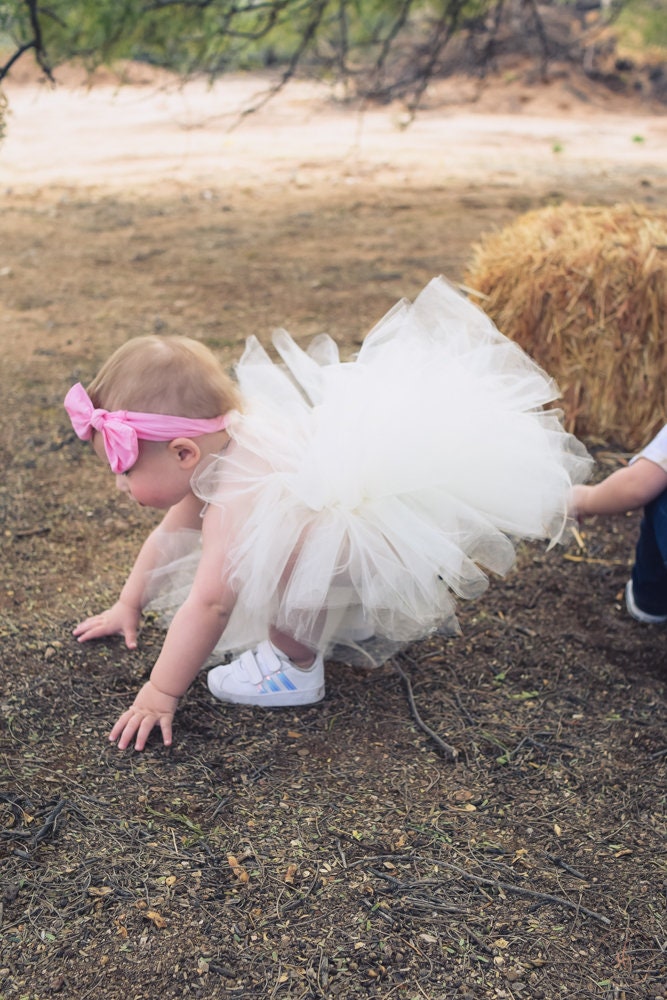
(369, 495)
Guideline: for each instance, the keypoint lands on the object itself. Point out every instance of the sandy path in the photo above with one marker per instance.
(138, 136)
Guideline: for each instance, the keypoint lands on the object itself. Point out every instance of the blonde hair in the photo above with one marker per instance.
(170, 375)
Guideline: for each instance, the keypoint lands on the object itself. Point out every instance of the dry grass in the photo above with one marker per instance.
(584, 291)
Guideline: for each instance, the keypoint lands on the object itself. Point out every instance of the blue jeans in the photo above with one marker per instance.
(649, 573)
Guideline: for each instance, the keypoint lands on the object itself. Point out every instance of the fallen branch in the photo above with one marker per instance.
(489, 883)
(518, 890)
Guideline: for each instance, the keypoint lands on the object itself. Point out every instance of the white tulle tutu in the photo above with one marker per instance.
(375, 492)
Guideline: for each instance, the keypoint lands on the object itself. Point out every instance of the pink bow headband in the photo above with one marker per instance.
(121, 430)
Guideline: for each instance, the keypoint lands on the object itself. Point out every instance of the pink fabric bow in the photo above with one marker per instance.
(121, 430)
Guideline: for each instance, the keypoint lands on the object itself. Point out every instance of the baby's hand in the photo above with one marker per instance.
(576, 502)
(151, 707)
(121, 619)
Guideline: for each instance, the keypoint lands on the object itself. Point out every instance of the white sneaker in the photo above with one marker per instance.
(636, 612)
(266, 677)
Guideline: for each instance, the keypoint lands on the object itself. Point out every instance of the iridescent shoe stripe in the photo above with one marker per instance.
(276, 682)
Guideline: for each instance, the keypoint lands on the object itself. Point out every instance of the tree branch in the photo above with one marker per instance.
(38, 44)
(4, 70)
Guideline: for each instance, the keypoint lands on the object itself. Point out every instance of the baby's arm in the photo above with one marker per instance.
(192, 635)
(626, 489)
(124, 616)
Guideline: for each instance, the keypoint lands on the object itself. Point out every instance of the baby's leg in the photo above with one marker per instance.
(301, 656)
(281, 671)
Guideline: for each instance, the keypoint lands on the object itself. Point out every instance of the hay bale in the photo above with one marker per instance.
(584, 292)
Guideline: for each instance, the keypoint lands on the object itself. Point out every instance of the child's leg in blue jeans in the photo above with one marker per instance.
(649, 573)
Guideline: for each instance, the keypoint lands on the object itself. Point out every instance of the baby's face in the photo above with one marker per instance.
(156, 479)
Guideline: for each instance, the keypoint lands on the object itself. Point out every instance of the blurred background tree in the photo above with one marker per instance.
(380, 49)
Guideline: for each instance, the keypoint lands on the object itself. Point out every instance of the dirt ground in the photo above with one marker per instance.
(334, 850)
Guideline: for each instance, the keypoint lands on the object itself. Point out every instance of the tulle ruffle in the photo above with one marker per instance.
(368, 495)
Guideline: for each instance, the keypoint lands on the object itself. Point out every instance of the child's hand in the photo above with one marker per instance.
(576, 502)
(121, 619)
(151, 708)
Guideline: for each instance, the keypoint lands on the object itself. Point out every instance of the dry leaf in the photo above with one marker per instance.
(237, 868)
(156, 918)
(101, 890)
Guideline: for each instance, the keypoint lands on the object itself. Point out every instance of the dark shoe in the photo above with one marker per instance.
(636, 612)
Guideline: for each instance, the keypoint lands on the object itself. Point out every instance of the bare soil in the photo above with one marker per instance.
(329, 851)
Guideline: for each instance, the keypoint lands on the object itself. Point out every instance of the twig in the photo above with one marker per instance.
(518, 890)
(567, 868)
(49, 825)
(221, 805)
(278, 983)
(459, 704)
(594, 562)
(386, 877)
(478, 940)
(577, 537)
(39, 529)
(491, 883)
(449, 751)
(432, 906)
(341, 852)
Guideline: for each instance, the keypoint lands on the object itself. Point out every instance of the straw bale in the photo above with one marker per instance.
(584, 292)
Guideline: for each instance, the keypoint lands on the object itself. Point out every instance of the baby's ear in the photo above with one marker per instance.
(185, 451)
